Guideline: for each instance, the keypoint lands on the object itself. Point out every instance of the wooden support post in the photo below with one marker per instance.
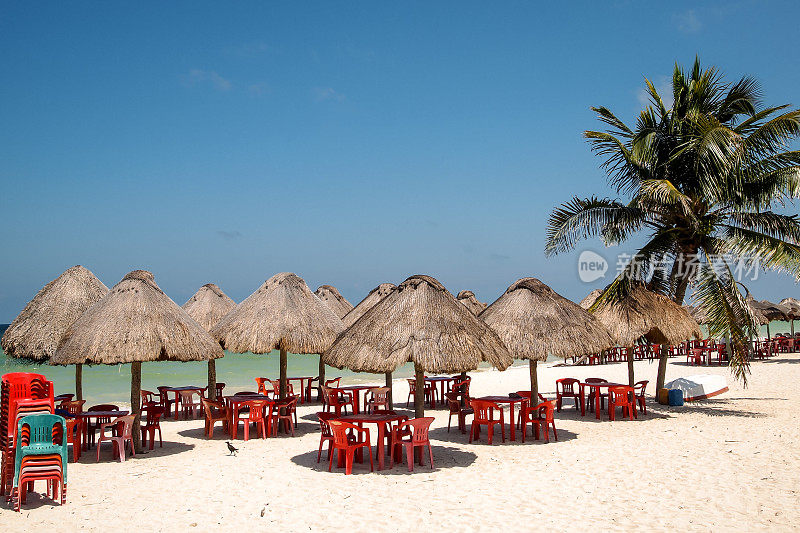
(283, 363)
(212, 379)
(136, 388)
(79, 382)
(389, 384)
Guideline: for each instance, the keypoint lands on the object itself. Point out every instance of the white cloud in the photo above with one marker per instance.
(321, 94)
(688, 22)
(198, 76)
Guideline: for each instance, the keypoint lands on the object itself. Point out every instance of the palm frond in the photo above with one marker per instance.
(584, 218)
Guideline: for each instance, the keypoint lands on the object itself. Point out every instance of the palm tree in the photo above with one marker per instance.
(701, 179)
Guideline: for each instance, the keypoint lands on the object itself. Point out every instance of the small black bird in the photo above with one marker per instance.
(231, 449)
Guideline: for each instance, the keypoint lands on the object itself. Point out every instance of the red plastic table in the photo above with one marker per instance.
(86, 415)
(177, 391)
(510, 401)
(235, 403)
(357, 390)
(381, 421)
(597, 386)
(443, 381)
(304, 397)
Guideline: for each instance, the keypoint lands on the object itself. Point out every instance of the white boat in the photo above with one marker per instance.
(699, 386)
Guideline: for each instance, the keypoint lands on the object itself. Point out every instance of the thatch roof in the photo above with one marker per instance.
(699, 315)
(766, 311)
(134, 322)
(208, 305)
(333, 299)
(591, 298)
(375, 295)
(420, 322)
(647, 314)
(471, 302)
(534, 321)
(282, 314)
(792, 307)
(36, 332)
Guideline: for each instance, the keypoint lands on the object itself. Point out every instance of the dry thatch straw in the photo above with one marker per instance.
(534, 321)
(283, 314)
(422, 323)
(471, 302)
(792, 307)
(135, 322)
(375, 295)
(653, 316)
(208, 305)
(36, 332)
(699, 315)
(333, 298)
(591, 298)
(766, 311)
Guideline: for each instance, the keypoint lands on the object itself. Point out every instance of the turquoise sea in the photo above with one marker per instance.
(111, 383)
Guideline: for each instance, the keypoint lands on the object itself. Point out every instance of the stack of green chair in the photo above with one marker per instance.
(40, 455)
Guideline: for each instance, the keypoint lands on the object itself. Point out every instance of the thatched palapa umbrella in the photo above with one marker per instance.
(283, 314)
(792, 307)
(421, 323)
(699, 315)
(471, 302)
(650, 315)
(208, 305)
(37, 330)
(135, 322)
(765, 311)
(534, 321)
(375, 295)
(334, 299)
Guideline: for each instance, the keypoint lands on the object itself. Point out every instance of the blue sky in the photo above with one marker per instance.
(351, 143)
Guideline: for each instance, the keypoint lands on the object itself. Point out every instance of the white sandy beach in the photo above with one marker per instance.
(728, 463)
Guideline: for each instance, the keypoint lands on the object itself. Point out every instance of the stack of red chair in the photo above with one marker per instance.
(21, 394)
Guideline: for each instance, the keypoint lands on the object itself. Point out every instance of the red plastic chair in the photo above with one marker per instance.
(256, 415)
(164, 401)
(326, 435)
(430, 392)
(215, 411)
(484, 416)
(541, 417)
(75, 437)
(454, 403)
(416, 431)
(93, 426)
(590, 396)
(621, 396)
(188, 403)
(567, 388)
(348, 444)
(120, 434)
(152, 424)
(378, 398)
(338, 400)
(638, 390)
(286, 412)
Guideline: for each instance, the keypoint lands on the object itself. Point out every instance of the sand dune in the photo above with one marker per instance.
(723, 464)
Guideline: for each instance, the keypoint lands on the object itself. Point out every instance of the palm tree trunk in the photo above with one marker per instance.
(678, 297)
(79, 382)
(212, 379)
(136, 388)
